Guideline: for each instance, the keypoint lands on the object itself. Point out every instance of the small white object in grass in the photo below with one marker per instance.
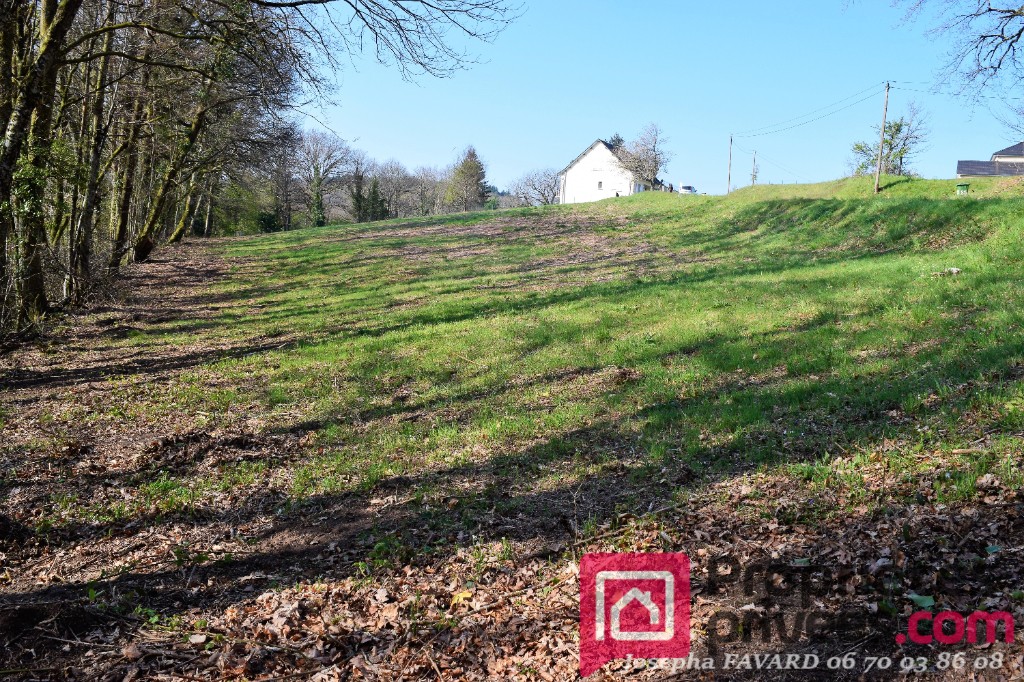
(946, 272)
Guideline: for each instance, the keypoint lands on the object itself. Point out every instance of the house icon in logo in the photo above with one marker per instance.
(633, 604)
(644, 598)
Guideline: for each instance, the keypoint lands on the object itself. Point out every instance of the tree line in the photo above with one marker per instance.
(129, 123)
(316, 178)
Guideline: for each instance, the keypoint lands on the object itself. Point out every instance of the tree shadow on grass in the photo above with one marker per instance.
(533, 492)
(793, 347)
(530, 491)
(894, 181)
(837, 229)
(849, 226)
(141, 365)
(788, 390)
(173, 359)
(782, 236)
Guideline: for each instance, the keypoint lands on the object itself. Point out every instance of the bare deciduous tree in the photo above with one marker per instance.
(646, 156)
(415, 36)
(322, 159)
(428, 188)
(395, 184)
(904, 139)
(986, 39)
(538, 187)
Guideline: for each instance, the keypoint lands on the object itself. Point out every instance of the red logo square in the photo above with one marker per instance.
(633, 604)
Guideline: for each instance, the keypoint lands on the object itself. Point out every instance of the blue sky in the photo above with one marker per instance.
(570, 71)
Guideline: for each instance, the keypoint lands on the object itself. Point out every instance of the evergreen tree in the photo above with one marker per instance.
(376, 205)
(317, 214)
(359, 201)
(468, 188)
(369, 205)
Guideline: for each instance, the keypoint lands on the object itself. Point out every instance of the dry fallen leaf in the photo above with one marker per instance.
(460, 597)
(133, 652)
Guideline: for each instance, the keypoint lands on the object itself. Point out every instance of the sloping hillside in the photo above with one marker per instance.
(379, 450)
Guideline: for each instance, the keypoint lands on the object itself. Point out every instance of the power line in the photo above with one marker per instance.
(774, 163)
(799, 121)
(953, 94)
(928, 92)
(782, 168)
(813, 120)
(751, 132)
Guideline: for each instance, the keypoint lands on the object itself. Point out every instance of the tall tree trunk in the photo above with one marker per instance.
(124, 202)
(287, 204)
(187, 213)
(36, 88)
(131, 165)
(30, 196)
(79, 270)
(146, 241)
(29, 122)
(208, 219)
(200, 210)
(10, 12)
(60, 228)
(317, 212)
(5, 222)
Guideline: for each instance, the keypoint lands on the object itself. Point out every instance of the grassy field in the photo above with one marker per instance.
(771, 328)
(519, 385)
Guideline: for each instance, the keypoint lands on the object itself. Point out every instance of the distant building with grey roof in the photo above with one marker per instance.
(1005, 162)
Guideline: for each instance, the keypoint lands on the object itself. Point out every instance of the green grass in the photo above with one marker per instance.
(801, 329)
(168, 494)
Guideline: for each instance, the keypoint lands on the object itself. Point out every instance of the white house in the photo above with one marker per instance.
(597, 174)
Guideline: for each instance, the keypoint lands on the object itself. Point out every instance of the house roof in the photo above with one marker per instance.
(989, 168)
(587, 151)
(616, 152)
(1015, 150)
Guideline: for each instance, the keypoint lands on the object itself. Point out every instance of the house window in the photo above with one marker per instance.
(600, 185)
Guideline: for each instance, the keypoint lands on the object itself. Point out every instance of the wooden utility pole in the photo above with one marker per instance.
(753, 170)
(881, 139)
(728, 183)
